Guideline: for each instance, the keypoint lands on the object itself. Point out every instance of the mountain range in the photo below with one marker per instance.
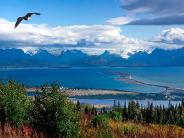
(71, 58)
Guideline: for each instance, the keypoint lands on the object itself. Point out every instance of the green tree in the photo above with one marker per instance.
(132, 110)
(54, 114)
(14, 103)
(100, 121)
(117, 116)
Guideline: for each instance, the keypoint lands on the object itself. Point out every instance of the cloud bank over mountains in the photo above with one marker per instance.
(91, 39)
(172, 36)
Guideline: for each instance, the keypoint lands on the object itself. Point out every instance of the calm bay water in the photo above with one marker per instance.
(99, 78)
(166, 76)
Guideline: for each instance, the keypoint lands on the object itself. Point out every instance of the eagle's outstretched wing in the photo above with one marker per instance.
(18, 21)
(30, 14)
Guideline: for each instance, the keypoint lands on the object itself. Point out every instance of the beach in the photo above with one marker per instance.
(86, 92)
(92, 92)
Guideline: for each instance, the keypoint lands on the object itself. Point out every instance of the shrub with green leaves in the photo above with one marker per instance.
(14, 104)
(54, 114)
(100, 121)
(117, 116)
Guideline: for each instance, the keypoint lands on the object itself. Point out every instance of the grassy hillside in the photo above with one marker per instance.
(129, 129)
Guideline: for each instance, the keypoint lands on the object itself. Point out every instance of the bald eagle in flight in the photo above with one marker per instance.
(26, 17)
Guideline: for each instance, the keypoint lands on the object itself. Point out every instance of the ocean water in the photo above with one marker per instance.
(99, 78)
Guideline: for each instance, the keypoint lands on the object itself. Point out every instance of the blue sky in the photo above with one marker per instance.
(119, 26)
(63, 12)
(73, 12)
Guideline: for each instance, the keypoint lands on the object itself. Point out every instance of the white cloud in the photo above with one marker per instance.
(92, 39)
(43, 34)
(172, 36)
(120, 20)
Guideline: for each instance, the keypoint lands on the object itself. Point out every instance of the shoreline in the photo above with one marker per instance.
(87, 92)
(125, 77)
(114, 94)
(93, 92)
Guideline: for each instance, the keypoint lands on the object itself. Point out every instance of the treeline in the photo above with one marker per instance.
(49, 114)
(172, 114)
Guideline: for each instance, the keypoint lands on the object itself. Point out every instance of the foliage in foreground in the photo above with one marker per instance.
(50, 114)
(53, 114)
(14, 104)
(128, 129)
